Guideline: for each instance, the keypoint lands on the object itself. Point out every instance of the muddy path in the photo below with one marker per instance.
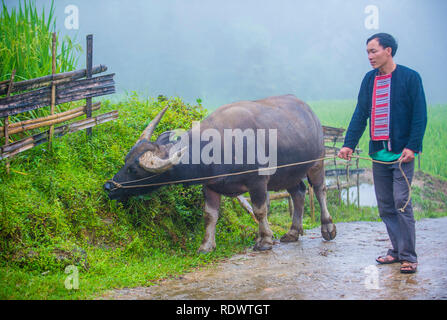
(312, 268)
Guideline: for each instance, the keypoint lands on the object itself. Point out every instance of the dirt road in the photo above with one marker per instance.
(312, 268)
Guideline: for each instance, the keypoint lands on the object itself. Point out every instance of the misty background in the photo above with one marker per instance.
(225, 51)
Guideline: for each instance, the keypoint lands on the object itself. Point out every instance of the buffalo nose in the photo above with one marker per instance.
(107, 186)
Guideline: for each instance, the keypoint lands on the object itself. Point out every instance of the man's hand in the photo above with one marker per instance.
(345, 153)
(407, 155)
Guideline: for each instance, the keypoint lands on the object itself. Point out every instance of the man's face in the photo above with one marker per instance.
(377, 55)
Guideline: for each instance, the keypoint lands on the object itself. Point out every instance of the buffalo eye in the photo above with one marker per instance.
(130, 170)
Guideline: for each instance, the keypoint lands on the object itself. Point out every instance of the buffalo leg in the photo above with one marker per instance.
(316, 179)
(259, 199)
(212, 204)
(297, 193)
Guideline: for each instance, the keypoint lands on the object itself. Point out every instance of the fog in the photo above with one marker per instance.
(224, 51)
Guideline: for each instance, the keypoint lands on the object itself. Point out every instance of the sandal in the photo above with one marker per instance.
(386, 259)
(408, 267)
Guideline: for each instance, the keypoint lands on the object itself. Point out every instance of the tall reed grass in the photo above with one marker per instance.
(434, 154)
(25, 45)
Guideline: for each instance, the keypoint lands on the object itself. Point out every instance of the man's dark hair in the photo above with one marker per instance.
(386, 41)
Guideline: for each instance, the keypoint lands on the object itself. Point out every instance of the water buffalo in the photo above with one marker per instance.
(229, 141)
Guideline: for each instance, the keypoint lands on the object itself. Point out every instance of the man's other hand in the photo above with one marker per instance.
(345, 153)
(407, 155)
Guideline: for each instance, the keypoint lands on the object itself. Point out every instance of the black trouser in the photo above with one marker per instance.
(392, 193)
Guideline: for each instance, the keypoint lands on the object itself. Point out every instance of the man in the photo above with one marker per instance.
(392, 97)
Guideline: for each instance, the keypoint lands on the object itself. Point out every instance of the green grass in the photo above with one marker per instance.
(26, 41)
(433, 158)
(25, 45)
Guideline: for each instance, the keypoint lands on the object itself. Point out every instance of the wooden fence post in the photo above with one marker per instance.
(53, 91)
(89, 63)
(6, 129)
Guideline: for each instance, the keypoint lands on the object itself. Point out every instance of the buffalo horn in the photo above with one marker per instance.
(152, 163)
(147, 133)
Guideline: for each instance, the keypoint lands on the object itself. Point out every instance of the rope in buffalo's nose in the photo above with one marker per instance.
(122, 186)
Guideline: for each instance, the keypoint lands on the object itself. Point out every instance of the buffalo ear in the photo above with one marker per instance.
(149, 161)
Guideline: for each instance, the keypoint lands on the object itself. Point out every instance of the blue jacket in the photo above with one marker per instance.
(408, 115)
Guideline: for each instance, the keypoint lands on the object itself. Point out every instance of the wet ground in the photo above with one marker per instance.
(312, 268)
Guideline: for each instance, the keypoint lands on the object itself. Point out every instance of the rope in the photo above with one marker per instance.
(122, 186)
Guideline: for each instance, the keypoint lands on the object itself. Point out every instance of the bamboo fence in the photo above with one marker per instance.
(50, 91)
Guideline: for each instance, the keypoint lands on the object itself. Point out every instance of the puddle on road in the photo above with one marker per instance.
(365, 193)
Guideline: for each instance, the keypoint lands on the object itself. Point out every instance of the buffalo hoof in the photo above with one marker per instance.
(263, 246)
(291, 236)
(328, 231)
(206, 248)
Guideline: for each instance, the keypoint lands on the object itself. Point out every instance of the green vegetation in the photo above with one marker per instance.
(25, 45)
(434, 155)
